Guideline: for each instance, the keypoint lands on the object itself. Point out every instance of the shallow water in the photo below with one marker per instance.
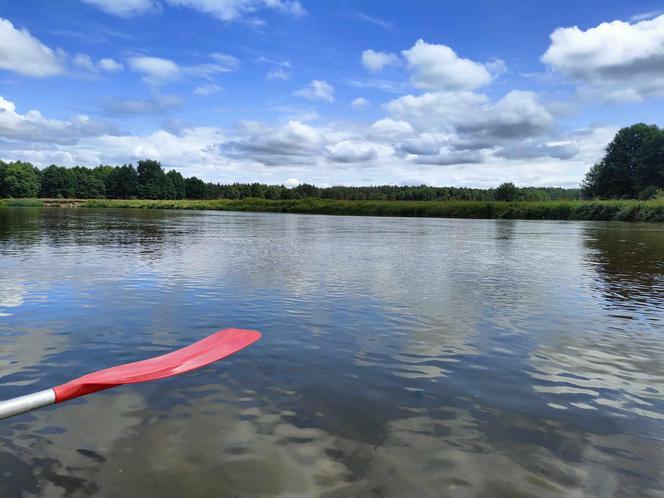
(400, 357)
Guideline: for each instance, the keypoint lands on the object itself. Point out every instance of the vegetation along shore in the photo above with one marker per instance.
(612, 210)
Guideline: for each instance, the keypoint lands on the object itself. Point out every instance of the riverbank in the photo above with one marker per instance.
(629, 210)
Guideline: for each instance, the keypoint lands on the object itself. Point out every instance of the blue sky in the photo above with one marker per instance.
(283, 91)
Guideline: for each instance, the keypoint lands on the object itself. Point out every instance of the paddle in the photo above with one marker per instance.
(214, 347)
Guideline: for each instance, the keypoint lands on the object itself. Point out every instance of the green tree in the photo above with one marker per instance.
(152, 181)
(19, 179)
(57, 181)
(305, 190)
(194, 188)
(634, 160)
(87, 185)
(122, 182)
(178, 183)
(506, 192)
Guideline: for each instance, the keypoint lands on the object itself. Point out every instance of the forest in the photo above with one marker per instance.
(149, 180)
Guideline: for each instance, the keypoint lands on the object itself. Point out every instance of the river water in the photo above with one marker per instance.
(400, 357)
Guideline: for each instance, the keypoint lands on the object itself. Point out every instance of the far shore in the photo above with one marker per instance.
(607, 210)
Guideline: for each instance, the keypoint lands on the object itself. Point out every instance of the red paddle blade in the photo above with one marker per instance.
(214, 347)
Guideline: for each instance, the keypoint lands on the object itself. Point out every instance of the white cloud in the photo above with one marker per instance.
(292, 182)
(425, 144)
(360, 102)
(351, 151)
(158, 71)
(317, 90)
(230, 10)
(377, 61)
(390, 129)
(438, 67)
(110, 65)
(616, 60)
(518, 114)
(34, 127)
(433, 109)
(155, 69)
(124, 8)
(86, 63)
(83, 61)
(226, 63)
(21, 53)
(207, 90)
(295, 142)
(278, 73)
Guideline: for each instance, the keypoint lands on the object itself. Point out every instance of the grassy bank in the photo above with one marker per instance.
(651, 211)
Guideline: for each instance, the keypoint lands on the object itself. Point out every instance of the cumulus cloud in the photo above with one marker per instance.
(438, 67)
(390, 129)
(435, 109)
(351, 151)
(377, 61)
(317, 90)
(517, 115)
(24, 54)
(295, 142)
(359, 103)
(155, 70)
(34, 127)
(617, 60)
(425, 144)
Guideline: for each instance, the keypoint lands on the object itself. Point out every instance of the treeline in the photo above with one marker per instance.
(149, 181)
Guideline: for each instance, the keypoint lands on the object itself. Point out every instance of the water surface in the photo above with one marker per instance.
(400, 357)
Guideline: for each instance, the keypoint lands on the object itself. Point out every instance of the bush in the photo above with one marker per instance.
(506, 192)
(650, 192)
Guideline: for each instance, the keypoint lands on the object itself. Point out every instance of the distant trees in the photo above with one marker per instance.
(149, 181)
(633, 164)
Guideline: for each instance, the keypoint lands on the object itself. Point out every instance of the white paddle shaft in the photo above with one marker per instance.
(22, 404)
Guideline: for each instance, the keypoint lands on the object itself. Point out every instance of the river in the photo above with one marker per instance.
(401, 357)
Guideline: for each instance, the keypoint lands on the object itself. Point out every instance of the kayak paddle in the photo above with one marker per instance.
(214, 347)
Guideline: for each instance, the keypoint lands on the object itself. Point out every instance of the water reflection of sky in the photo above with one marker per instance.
(400, 356)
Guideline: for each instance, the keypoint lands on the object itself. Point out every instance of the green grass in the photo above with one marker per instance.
(21, 202)
(651, 211)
